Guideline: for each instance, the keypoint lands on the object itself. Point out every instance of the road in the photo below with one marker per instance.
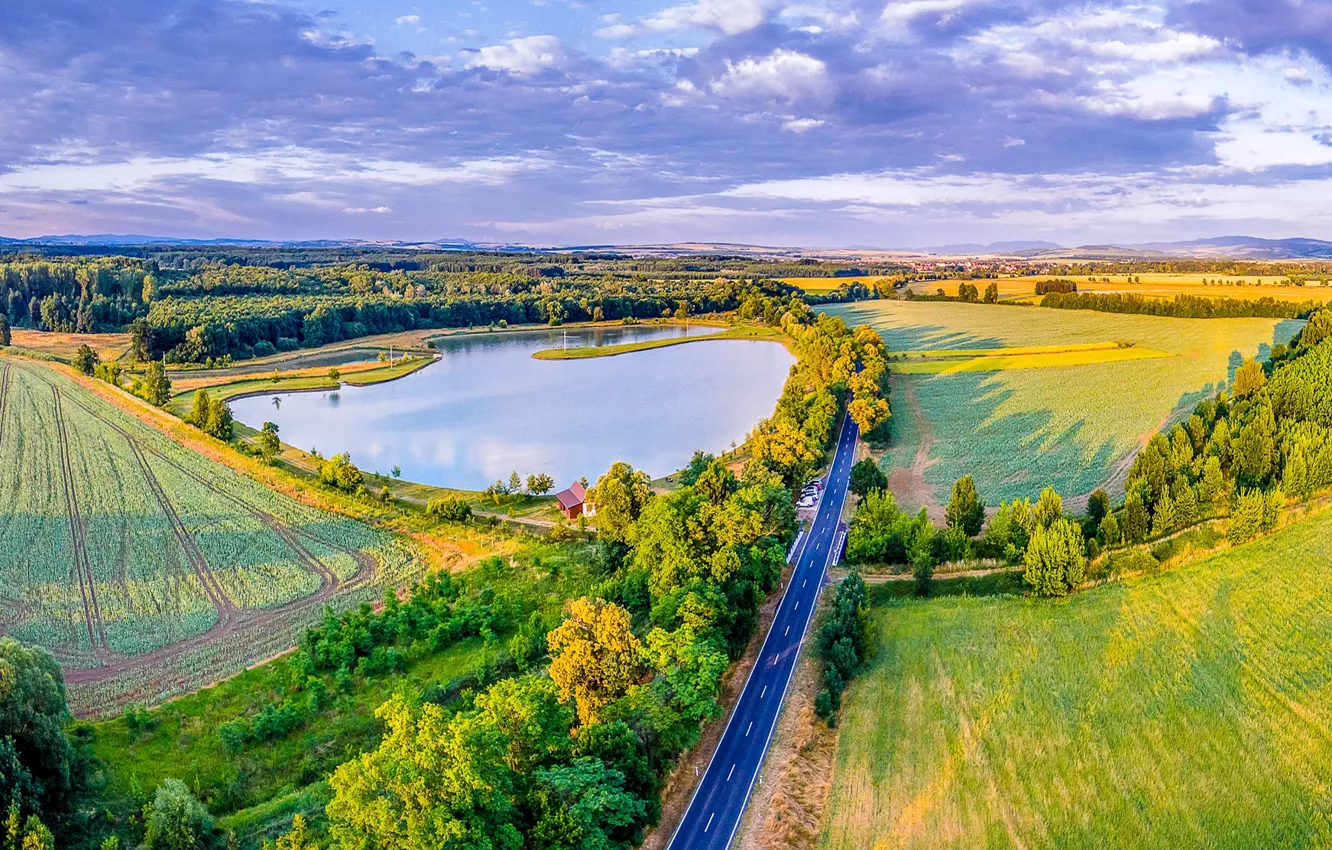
(715, 811)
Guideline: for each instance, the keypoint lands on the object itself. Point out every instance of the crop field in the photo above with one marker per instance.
(145, 567)
(63, 346)
(1072, 423)
(1152, 285)
(1187, 709)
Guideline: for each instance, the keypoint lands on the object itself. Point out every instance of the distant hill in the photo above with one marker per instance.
(1236, 247)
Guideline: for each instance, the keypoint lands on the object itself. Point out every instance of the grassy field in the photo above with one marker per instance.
(63, 346)
(1018, 429)
(147, 568)
(950, 362)
(1188, 709)
(309, 378)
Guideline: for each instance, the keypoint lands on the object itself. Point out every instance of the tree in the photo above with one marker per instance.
(297, 839)
(540, 484)
(716, 482)
(992, 293)
(1163, 517)
(141, 340)
(594, 655)
(269, 444)
(36, 760)
(210, 415)
(1249, 378)
(1134, 526)
(1213, 481)
(1055, 559)
(85, 359)
(339, 471)
(965, 509)
(175, 820)
(1049, 508)
(1108, 530)
(582, 806)
(154, 387)
(4, 331)
(436, 780)
(866, 476)
(515, 482)
(1098, 506)
(334, 375)
(396, 471)
(619, 497)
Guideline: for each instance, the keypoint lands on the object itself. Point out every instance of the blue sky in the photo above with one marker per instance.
(787, 122)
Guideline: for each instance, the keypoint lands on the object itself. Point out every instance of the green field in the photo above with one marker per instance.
(147, 568)
(1188, 709)
(1018, 429)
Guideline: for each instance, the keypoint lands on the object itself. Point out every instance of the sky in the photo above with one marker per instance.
(816, 123)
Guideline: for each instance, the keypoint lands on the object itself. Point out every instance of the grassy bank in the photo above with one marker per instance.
(755, 332)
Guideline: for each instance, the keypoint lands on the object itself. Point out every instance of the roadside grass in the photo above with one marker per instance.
(1071, 426)
(754, 332)
(1189, 709)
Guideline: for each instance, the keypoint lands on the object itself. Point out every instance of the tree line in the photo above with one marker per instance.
(1181, 306)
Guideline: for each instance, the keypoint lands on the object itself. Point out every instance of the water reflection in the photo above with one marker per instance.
(487, 407)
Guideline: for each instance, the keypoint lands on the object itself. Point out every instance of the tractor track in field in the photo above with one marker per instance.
(92, 612)
(4, 396)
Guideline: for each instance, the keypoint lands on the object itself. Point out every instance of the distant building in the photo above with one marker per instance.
(572, 501)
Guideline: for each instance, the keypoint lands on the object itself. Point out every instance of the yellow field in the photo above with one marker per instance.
(951, 361)
(63, 346)
(824, 285)
(1154, 285)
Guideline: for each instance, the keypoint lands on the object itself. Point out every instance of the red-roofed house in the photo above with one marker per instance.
(572, 500)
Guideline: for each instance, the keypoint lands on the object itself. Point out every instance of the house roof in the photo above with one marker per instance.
(573, 497)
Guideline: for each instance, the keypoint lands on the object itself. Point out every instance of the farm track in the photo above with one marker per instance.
(4, 396)
(92, 612)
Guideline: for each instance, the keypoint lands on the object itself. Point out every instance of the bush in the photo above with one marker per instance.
(450, 508)
(175, 820)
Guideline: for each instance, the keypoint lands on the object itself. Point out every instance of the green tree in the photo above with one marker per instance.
(85, 359)
(540, 484)
(141, 337)
(37, 769)
(1049, 508)
(992, 293)
(175, 820)
(1163, 516)
(716, 482)
(1186, 505)
(594, 655)
(1134, 526)
(154, 387)
(866, 476)
(515, 482)
(269, 444)
(334, 375)
(1254, 449)
(1108, 530)
(1055, 559)
(4, 331)
(965, 508)
(618, 498)
(339, 471)
(297, 839)
(1213, 483)
(436, 780)
(1098, 506)
(582, 805)
(1249, 378)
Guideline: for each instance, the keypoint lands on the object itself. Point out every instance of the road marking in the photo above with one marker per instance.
(747, 728)
(710, 817)
(787, 632)
(797, 608)
(729, 772)
(805, 582)
(765, 692)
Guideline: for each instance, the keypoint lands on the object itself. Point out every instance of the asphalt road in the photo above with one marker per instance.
(714, 812)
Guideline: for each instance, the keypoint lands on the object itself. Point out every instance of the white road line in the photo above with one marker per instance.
(797, 607)
(765, 692)
(787, 632)
(710, 817)
(729, 772)
(805, 582)
(747, 728)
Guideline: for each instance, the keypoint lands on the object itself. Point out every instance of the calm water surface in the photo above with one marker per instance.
(487, 408)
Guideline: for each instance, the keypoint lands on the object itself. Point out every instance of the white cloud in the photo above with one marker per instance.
(364, 210)
(523, 56)
(730, 17)
(784, 75)
(800, 126)
(898, 15)
(408, 20)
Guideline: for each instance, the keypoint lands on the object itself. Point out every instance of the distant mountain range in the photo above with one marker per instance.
(1221, 247)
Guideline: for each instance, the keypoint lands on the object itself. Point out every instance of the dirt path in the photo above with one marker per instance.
(4, 395)
(909, 484)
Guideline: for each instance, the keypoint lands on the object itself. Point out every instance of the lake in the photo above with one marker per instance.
(487, 408)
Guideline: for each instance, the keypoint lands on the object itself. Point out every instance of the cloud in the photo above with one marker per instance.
(363, 210)
(525, 56)
(802, 125)
(729, 17)
(783, 75)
